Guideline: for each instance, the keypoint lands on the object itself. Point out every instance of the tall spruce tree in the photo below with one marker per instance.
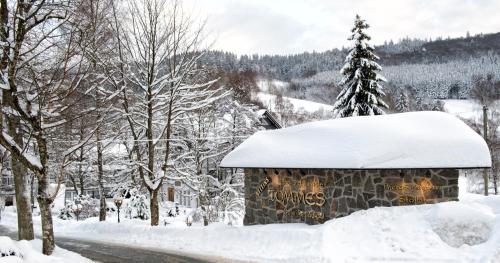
(361, 93)
(402, 102)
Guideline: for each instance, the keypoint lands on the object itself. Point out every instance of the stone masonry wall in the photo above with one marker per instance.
(316, 195)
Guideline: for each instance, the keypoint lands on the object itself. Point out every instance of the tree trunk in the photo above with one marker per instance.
(80, 162)
(23, 201)
(21, 182)
(155, 210)
(153, 193)
(44, 202)
(100, 172)
(495, 180)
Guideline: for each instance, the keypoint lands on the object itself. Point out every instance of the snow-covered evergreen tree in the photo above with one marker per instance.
(402, 102)
(362, 93)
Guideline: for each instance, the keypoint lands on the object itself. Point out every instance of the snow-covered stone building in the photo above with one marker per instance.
(326, 169)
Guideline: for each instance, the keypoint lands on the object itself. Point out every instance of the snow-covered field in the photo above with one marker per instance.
(267, 87)
(269, 100)
(30, 252)
(464, 231)
(466, 109)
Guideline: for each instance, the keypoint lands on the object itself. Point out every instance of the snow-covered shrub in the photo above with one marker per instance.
(196, 215)
(65, 213)
(234, 212)
(458, 224)
(137, 207)
(230, 206)
(206, 211)
(89, 208)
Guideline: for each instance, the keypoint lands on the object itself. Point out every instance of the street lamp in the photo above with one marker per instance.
(77, 209)
(118, 203)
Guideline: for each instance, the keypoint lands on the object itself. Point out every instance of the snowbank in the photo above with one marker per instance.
(404, 140)
(464, 231)
(30, 251)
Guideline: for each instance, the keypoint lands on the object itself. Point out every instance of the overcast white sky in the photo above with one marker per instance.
(293, 26)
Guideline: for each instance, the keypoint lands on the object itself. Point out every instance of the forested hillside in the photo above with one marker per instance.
(405, 51)
(430, 69)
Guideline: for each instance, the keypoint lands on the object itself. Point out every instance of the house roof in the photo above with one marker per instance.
(397, 141)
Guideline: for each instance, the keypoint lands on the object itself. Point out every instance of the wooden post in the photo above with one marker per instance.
(485, 135)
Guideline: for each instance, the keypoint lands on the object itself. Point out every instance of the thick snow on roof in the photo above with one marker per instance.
(404, 140)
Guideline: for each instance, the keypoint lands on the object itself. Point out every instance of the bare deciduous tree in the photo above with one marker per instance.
(159, 48)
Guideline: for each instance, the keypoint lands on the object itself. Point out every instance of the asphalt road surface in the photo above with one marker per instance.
(109, 253)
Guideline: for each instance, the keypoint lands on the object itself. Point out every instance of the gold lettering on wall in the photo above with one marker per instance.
(289, 193)
(306, 214)
(413, 194)
(296, 192)
(262, 186)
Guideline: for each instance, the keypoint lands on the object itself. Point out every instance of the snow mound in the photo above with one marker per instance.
(30, 252)
(458, 224)
(8, 248)
(404, 140)
(446, 232)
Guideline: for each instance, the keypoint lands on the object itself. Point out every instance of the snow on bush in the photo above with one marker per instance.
(137, 207)
(30, 252)
(458, 224)
(88, 205)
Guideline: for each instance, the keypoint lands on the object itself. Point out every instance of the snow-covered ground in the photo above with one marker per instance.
(464, 231)
(30, 252)
(467, 109)
(266, 85)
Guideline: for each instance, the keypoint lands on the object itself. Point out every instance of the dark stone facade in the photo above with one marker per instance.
(316, 195)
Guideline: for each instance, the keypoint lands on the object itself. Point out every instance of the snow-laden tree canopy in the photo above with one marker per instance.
(362, 92)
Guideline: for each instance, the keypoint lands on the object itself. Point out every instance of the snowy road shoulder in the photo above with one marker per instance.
(23, 251)
(464, 231)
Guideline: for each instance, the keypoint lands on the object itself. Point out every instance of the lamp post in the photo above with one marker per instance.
(77, 209)
(118, 203)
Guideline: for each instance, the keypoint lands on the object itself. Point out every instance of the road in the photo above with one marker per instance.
(109, 253)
